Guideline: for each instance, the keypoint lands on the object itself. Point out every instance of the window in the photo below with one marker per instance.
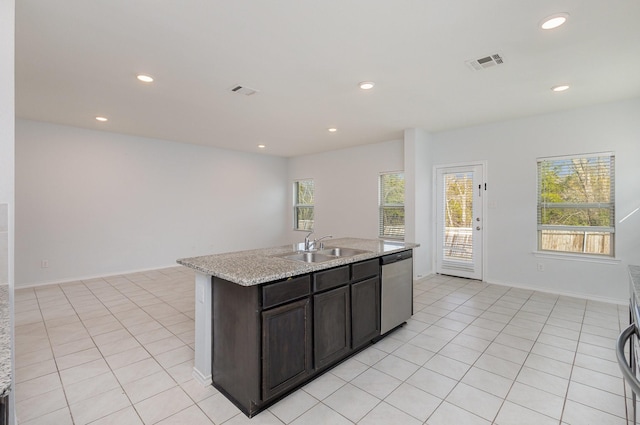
(392, 205)
(303, 205)
(576, 204)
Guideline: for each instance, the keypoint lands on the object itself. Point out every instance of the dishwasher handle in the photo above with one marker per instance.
(395, 257)
(627, 373)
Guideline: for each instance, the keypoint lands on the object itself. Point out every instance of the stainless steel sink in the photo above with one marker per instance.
(309, 257)
(326, 254)
(342, 252)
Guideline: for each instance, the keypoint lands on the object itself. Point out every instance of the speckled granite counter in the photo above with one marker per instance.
(258, 266)
(5, 342)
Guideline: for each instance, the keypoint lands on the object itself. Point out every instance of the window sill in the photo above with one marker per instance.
(576, 257)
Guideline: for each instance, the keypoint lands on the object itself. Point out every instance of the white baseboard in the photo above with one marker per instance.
(564, 293)
(202, 379)
(99, 276)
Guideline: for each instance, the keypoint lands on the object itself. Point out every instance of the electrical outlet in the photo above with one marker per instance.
(44, 264)
(540, 267)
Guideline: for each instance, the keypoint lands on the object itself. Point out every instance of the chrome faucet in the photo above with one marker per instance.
(321, 243)
(311, 245)
(307, 242)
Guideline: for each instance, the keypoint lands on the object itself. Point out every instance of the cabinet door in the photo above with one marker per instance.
(331, 325)
(365, 311)
(286, 347)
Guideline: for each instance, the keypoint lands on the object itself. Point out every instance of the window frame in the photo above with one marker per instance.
(607, 159)
(297, 206)
(382, 206)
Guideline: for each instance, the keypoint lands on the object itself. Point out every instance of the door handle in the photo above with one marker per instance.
(627, 373)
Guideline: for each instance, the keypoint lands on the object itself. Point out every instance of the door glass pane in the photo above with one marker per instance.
(458, 217)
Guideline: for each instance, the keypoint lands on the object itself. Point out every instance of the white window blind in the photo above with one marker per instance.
(303, 205)
(576, 205)
(392, 205)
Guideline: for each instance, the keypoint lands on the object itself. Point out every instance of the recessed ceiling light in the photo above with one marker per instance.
(332, 130)
(559, 88)
(262, 146)
(145, 78)
(367, 85)
(554, 21)
(102, 119)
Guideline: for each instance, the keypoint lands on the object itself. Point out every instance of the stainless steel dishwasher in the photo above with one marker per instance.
(396, 290)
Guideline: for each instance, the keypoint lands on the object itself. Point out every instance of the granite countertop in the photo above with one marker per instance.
(253, 267)
(5, 343)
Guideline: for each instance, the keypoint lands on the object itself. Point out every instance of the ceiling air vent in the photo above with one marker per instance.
(485, 62)
(247, 91)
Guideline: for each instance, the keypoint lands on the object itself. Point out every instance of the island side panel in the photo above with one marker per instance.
(202, 361)
(236, 342)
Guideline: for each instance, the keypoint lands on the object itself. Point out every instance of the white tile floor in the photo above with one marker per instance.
(119, 350)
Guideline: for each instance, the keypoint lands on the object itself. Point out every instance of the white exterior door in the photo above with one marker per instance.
(460, 194)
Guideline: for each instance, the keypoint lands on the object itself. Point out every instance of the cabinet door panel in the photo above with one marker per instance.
(285, 291)
(286, 342)
(368, 268)
(331, 278)
(331, 325)
(365, 311)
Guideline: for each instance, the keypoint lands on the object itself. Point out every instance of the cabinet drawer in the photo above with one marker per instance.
(287, 290)
(330, 278)
(366, 268)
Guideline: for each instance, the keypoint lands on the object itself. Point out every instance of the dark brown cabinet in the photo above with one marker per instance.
(271, 338)
(331, 278)
(286, 347)
(365, 311)
(331, 326)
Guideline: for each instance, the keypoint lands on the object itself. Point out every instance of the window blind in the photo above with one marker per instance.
(576, 204)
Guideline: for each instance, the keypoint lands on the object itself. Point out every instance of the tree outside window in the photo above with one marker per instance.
(392, 205)
(303, 205)
(576, 207)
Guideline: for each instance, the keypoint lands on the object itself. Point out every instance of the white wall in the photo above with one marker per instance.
(511, 149)
(6, 139)
(418, 199)
(95, 203)
(346, 188)
(7, 37)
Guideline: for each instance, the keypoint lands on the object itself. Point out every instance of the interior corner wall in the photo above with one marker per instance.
(7, 168)
(418, 199)
(92, 203)
(7, 153)
(345, 188)
(511, 149)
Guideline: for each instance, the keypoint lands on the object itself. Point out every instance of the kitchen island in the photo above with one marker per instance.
(267, 322)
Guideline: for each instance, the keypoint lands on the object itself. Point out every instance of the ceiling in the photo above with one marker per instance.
(78, 59)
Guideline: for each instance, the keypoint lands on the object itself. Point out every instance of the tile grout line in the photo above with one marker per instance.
(464, 299)
(131, 282)
(97, 297)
